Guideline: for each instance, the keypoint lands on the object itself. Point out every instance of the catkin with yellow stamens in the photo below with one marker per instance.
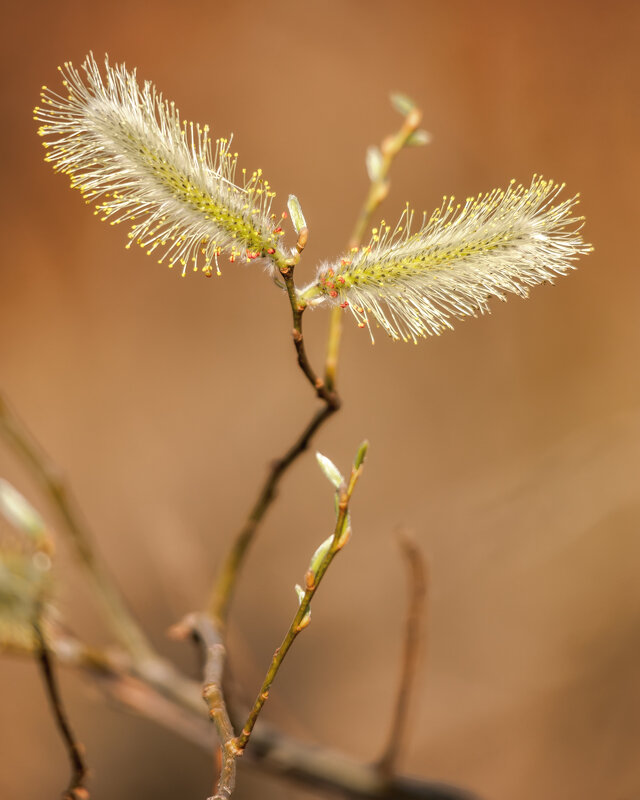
(413, 284)
(126, 149)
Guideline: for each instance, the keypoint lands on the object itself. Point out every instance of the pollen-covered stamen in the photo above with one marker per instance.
(414, 284)
(126, 149)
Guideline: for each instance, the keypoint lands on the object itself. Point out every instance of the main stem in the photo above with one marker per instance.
(223, 588)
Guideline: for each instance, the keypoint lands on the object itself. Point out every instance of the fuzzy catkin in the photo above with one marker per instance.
(126, 149)
(413, 284)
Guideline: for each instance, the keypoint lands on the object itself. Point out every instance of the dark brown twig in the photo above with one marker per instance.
(223, 589)
(76, 789)
(417, 579)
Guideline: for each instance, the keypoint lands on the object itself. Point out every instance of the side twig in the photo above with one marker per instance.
(417, 579)
(76, 789)
(116, 611)
(378, 191)
(223, 589)
(302, 618)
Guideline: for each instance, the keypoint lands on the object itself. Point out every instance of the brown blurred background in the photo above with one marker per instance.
(511, 446)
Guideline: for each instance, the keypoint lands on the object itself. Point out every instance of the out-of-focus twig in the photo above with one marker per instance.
(122, 623)
(76, 789)
(417, 580)
(271, 751)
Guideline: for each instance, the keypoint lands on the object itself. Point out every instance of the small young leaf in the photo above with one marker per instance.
(19, 512)
(295, 212)
(306, 619)
(418, 138)
(330, 470)
(361, 454)
(318, 557)
(403, 104)
(374, 162)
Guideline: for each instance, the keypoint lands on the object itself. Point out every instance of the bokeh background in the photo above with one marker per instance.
(511, 447)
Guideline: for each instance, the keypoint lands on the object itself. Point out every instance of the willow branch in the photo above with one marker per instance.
(325, 388)
(414, 625)
(115, 609)
(76, 789)
(378, 191)
(271, 751)
(226, 580)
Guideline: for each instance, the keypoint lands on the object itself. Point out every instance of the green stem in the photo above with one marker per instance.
(378, 191)
(302, 617)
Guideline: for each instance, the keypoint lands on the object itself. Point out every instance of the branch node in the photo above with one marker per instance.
(303, 238)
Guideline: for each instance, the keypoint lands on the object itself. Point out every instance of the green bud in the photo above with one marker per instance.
(361, 454)
(332, 473)
(418, 138)
(295, 212)
(300, 592)
(373, 160)
(19, 513)
(318, 556)
(402, 104)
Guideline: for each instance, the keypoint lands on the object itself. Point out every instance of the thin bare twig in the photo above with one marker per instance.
(122, 623)
(223, 589)
(76, 789)
(417, 579)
